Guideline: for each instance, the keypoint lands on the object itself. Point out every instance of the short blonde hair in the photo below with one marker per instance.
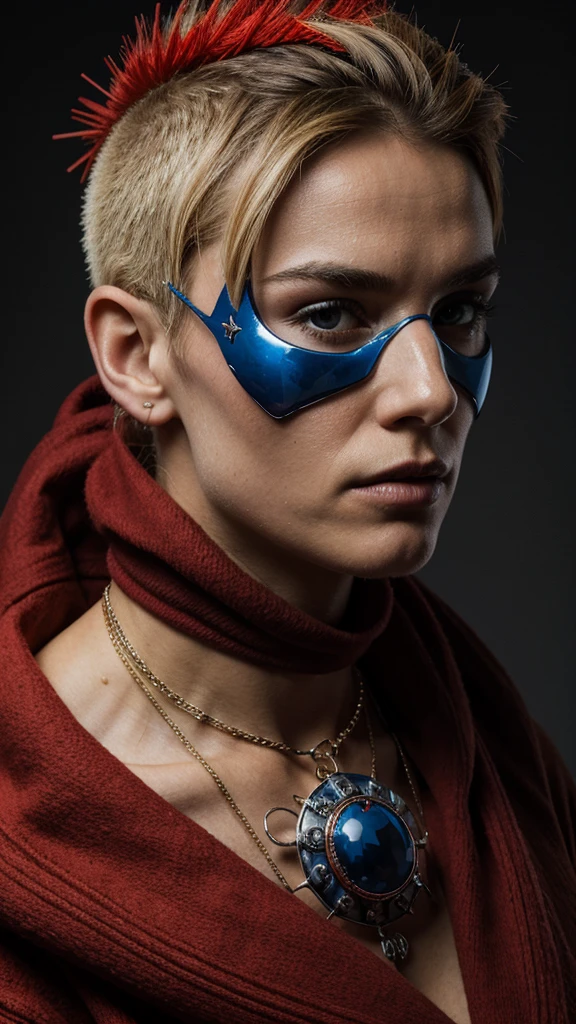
(203, 157)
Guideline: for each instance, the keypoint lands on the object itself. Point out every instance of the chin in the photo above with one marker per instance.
(399, 560)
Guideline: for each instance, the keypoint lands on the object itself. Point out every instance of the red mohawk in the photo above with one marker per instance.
(155, 57)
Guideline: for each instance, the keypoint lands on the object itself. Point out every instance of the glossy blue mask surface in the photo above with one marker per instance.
(283, 378)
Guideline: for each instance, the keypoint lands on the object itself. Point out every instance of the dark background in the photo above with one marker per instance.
(505, 558)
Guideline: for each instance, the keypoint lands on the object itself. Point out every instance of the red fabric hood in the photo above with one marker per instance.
(115, 907)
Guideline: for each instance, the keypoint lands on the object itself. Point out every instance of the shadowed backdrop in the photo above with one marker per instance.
(505, 558)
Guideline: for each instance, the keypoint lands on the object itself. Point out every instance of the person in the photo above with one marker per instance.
(252, 767)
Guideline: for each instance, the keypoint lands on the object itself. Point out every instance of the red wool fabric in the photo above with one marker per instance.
(118, 909)
(189, 582)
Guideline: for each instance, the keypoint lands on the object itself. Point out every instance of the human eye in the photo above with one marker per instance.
(463, 311)
(461, 323)
(329, 320)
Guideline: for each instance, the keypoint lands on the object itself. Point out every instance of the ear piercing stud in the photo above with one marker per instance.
(148, 405)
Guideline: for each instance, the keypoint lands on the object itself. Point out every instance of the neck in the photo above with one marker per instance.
(318, 591)
(300, 709)
(185, 573)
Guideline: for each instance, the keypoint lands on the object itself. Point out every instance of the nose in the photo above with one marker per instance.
(410, 378)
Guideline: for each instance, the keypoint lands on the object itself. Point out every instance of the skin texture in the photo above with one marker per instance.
(277, 495)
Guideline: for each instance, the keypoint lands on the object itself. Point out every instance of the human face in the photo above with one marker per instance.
(280, 495)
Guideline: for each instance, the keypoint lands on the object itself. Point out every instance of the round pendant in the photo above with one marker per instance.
(355, 840)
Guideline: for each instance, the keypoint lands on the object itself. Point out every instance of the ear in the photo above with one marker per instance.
(130, 349)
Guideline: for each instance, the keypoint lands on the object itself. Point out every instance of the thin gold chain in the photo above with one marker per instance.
(372, 745)
(113, 627)
(409, 777)
(406, 769)
(203, 716)
(183, 739)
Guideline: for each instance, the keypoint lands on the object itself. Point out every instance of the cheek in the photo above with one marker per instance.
(243, 459)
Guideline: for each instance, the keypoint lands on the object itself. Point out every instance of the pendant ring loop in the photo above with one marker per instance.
(323, 761)
(278, 842)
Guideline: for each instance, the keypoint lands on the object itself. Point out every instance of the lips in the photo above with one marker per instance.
(406, 471)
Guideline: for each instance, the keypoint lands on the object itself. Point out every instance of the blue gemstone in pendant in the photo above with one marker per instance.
(371, 847)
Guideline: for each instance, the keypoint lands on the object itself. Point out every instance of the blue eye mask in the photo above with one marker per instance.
(282, 378)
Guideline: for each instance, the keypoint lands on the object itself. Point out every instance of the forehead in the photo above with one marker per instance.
(378, 200)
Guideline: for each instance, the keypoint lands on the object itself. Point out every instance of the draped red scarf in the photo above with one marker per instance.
(184, 578)
(116, 907)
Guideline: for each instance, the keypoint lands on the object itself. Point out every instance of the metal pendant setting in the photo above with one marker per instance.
(355, 840)
(358, 848)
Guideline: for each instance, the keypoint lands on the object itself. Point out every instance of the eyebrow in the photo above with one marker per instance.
(370, 280)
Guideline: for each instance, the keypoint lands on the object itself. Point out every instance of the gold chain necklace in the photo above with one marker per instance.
(322, 753)
(138, 668)
(113, 629)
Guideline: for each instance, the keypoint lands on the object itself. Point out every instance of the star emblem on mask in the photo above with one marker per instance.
(231, 330)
